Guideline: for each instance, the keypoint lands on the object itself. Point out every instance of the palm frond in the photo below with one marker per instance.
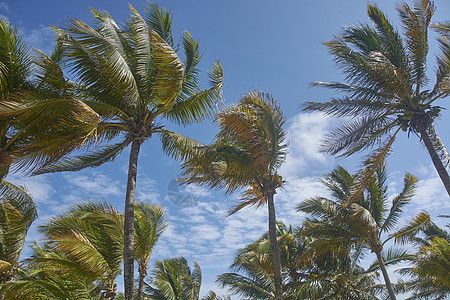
(149, 224)
(168, 72)
(415, 22)
(366, 174)
(399, 202)
(394, 49)
(98, 62)
(199, 105)
(407, 232)
(179, 146)
(391, 256)
(93, 159)
(159, 21)
(15, 60)
(17, 212)
(347, 106)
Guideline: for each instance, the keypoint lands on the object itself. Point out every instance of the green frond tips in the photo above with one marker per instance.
(410, 230)
(93, 159)
(159, 21)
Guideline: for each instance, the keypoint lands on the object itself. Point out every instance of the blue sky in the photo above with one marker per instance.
(273, 46)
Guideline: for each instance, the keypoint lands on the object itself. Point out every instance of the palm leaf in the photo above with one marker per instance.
(399, 202)
(415, 22)
(407, 232)
(94, 159)
(159, 21)
(200, 105)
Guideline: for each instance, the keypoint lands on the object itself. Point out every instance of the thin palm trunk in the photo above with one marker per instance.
(128, 227)
(142, 275)
(440, 168)
(276, 260)
(385, 274)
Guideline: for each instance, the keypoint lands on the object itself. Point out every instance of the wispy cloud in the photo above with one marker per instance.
(39, 187)
(4, 7)
(42, 38)
(305, 133)
(93, 184)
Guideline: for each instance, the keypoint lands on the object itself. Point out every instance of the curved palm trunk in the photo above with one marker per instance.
(443, 174)
(385, 274)
(128, 226)
(142, 275)
(276, 260)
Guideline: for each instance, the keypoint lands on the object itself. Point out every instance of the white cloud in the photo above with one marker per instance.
(93, 185)
(147, 190)
(305, 133)
(38, 187)
(431, 195)
(42, 38)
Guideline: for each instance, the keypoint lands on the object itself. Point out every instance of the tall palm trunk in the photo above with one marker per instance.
(276, 260)
(142, 275)
(440, 168)
(128, 226)
(385, 273)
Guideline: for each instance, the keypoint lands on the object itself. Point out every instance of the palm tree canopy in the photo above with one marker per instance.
(173, 279)
(148, 226)
(361, 223)
(428, 275)
(92, 235)
(387, 86)
(40, 119)
(17, 212)
(247, 151)
(134, 78)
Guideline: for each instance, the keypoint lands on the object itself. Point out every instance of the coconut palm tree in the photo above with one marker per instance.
(149, 224)
(173, 279)
(387, 85)
(91, 236)
(431, 267)
(52, 274)
(360, 225)
(305, 275)
(17, 212)
(40, 119)
(253, 268)
(246, 153)
(134, 78)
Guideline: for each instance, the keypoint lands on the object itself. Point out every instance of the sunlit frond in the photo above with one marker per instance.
(407, 232)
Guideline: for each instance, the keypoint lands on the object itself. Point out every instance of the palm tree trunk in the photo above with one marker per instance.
(385, 274)
(128, 226)
(443, 174)
(276, 260)
(141, 284)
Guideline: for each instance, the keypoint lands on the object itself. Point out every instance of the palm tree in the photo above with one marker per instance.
(149, 224)
(17, 212)
(253, 268)
(386, 90)
(134, 79)
(52, 274)
(90, 236)
(40, 119)
(359, 226)
(429, 273)
(246, 153)
(305, 275)
(173, 279)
